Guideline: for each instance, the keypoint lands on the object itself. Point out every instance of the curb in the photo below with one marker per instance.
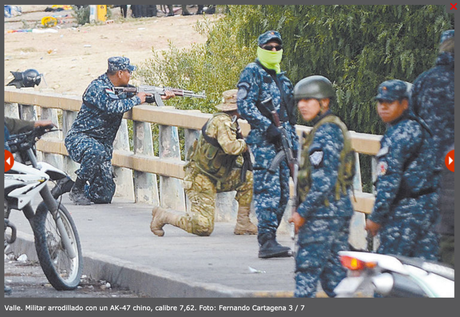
(142, 279)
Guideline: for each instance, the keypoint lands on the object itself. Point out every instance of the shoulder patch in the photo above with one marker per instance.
(316, 158)
(242, 92)
(111, 94)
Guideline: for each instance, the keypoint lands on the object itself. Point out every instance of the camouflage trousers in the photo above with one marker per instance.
(271, 196)
(95, 167)
(317, 259)
(412, 235)
(201, 191)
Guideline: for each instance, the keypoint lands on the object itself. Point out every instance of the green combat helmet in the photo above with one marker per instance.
(314, 87)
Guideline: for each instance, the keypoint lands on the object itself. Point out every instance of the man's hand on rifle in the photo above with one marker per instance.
(273, 134)
(298, 221)
(168, 95)
(143, 96)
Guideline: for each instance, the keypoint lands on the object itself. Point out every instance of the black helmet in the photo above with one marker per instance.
(31, 78)
(316, 87)
(28, 78)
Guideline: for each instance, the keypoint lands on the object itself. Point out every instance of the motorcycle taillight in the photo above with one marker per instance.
(354, 264)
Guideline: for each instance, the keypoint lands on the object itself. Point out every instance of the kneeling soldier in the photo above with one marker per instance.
(219, 161)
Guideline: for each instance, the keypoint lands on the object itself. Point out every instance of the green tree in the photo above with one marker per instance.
(356, 46)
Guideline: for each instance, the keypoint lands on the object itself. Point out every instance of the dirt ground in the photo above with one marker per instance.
(74, 55)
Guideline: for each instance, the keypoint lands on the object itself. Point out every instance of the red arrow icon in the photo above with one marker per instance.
(450, 160)
(9, 160)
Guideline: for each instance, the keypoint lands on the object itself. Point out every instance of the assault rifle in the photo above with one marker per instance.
(247, 164)
(284, 152)
(284, 146)
(157, 92)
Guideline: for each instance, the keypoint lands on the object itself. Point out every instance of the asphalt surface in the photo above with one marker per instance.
(26, 279)
(118, 247)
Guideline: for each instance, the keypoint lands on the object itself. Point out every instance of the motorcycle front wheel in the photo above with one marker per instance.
(61, 270)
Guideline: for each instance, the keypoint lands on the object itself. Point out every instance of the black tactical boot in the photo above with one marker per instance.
(63, 186)
(270, 248)
(77, 193)
(200, 9)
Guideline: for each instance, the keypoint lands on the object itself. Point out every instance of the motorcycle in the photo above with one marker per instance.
(394, 276)
(56, 238)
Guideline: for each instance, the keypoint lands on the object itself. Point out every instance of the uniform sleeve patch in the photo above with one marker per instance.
(111, 94)
(382, 168)
(316, 158)
(243, 89)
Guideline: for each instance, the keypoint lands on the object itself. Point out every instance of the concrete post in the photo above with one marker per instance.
(358, 221)
(145, 184)
(11, 110)
(376, 240)
(171, 191)
(53, 159)
(124, 176)
(69, 166)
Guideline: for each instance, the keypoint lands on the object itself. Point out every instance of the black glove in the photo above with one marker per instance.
(273, 134)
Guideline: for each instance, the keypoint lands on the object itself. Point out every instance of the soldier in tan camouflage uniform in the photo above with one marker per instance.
(215, 166)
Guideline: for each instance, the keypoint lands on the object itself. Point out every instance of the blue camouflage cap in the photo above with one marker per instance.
(392, 90)
(120, 63)
(268, 36)
(446, 35)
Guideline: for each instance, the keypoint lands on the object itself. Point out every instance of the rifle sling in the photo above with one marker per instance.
(284, 101)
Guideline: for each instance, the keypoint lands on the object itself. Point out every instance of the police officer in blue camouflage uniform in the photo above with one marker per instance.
(433, 97)
(90, 139)
(405, 210)
(324, 208)
(262, 88)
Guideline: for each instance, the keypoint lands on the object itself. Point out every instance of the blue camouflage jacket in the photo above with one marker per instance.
(101, 112)
(406, 169)
(433, 100)
(256, 85)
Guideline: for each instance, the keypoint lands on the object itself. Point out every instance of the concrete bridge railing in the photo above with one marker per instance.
(154, 177)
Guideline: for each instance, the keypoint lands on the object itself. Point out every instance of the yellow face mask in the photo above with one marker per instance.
(270, 59)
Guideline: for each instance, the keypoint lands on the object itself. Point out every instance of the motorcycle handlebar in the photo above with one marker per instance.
(26, 140)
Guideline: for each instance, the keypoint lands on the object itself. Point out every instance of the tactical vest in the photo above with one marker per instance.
(347, 168)
(209, 156)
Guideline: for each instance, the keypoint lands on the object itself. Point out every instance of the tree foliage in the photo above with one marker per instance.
(356, 46)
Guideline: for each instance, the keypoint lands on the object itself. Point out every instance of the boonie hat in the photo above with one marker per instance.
(117, 63)
(228, 100)
(268, 36)
(391, 90)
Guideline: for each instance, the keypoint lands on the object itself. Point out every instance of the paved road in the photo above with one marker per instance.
(118, 247)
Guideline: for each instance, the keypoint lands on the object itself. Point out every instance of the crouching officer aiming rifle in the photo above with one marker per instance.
(155, 93)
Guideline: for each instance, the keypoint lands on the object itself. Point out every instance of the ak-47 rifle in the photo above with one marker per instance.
(284, 152)
(284, 147)
(157, 92)
(247, 164)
